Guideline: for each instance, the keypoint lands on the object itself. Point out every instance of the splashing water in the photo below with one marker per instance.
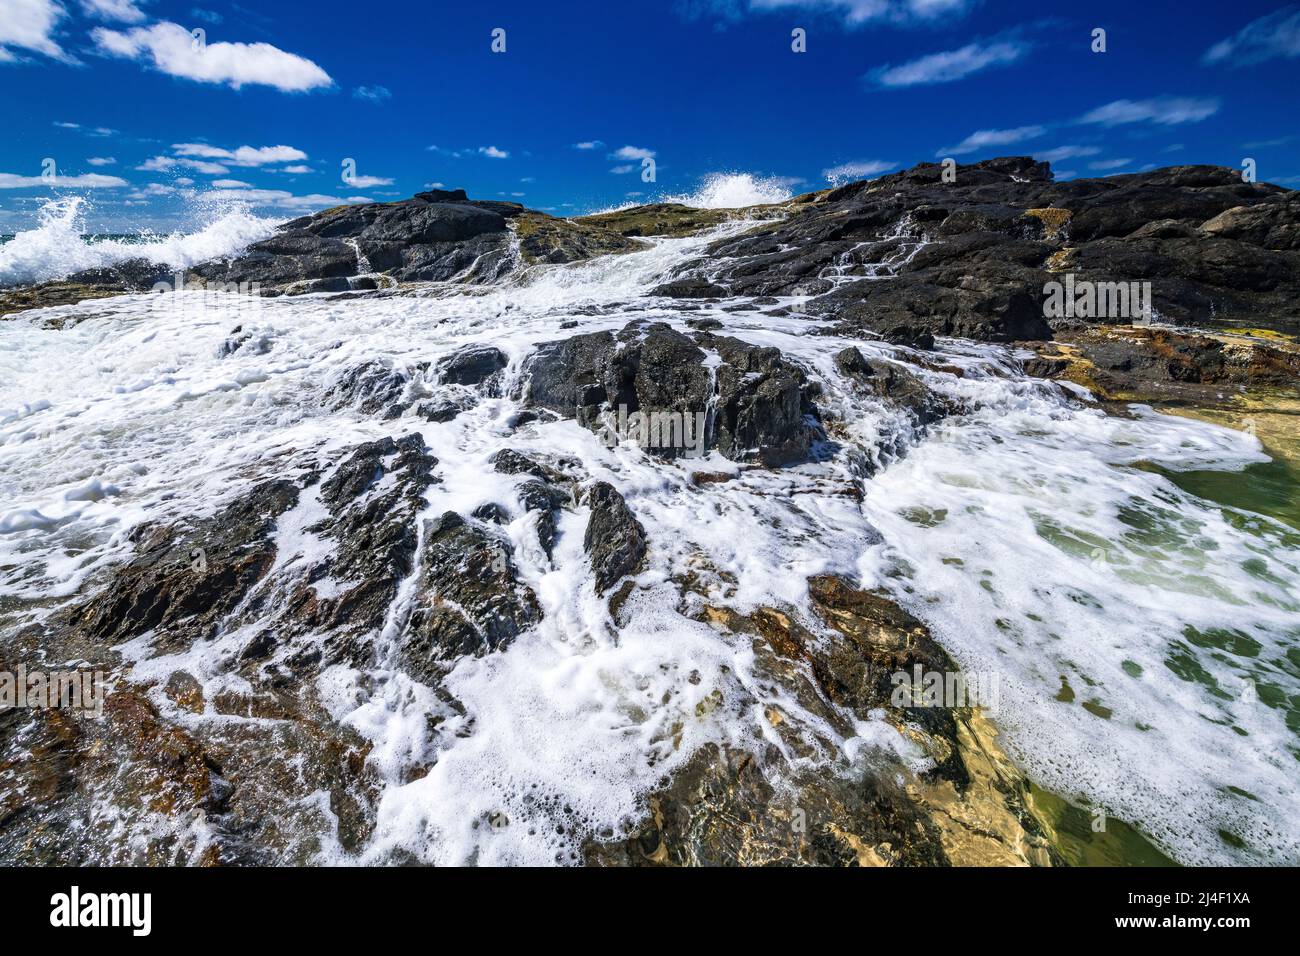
(734, 191)
(988, 529)
(57, 247)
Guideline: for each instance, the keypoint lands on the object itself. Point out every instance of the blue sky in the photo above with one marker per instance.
(143, 118)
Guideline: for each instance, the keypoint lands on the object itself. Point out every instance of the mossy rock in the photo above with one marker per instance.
(544, 238)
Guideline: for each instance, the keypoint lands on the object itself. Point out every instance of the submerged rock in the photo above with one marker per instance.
(469, 599)
(185, 578)
(615, 541)
(729, 807)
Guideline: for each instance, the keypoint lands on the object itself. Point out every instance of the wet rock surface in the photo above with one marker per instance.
(756, 404)
(730, 807)
(469, 598)
(908, 254)
(1162, 364)
(251, 645)
(615, 540)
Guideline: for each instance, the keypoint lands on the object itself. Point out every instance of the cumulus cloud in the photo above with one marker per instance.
(293, 169)
(632, 152)
(1165, 110)
(1269, 37)
(622, 169)
(86, 181)
(29, 25)
(121, 11)
(281, 199)
(493, 152)
(102, 161)
(589, 144)
(951, 65)
(365, 182)
(243, 156)
(162, 164)
(985, 138)
(171, 49)
(231, 184)
(858, 169)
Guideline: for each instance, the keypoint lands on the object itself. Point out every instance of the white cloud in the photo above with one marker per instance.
(1269, 37)
(375, 94)
(102, 161)
(435, 185)
(161, 164)
(984, 138)
(622, 169)
(859, 169)
(951, 65)
(123, 11)
(632, 152)
(243, 156)
(1165, 110)
(1066, 152)
(173, 51)
(1103, 164)
(231, 184)
(29, 25)
(87, 180)
(589, 144)
(365, 182)
(151, 191)
(294, 169)
(493, 152)
(282, 199)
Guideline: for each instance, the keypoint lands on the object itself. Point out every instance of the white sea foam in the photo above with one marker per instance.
(56, 247)
(988, 528)
(734, 191)
(721, 191)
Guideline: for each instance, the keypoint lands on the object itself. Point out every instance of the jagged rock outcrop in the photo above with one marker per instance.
(615, 541)
(469, 598)
(756, 405)
(907, 255)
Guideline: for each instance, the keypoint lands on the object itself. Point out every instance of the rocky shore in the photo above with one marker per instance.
(231, 752)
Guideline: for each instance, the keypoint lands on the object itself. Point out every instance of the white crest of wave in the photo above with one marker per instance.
(57, 248)
(724, 191)
(734, 191)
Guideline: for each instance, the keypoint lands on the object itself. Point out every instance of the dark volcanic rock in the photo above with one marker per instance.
(433, 236)
(615, 540)
(763, 412)
(185, 579)
(690, 288)
(373, 498)
(891, 381)
(1215, 248)
(758, 402)
(473, 365)
(469, 599)
(566, 376)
